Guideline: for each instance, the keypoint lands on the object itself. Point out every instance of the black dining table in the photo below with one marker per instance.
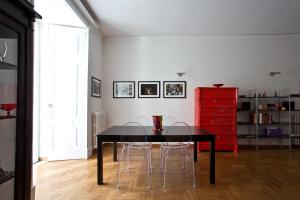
(134, 134)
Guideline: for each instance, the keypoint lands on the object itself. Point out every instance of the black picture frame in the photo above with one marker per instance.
(127, 87)
(145, 87)
(174, 89)
(96, 87)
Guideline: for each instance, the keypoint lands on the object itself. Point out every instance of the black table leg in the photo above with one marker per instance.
(195, 151)
(100, 162)
(212, 162)
(115, 149)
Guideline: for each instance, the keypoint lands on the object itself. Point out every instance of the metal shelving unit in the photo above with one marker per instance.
(256, 129)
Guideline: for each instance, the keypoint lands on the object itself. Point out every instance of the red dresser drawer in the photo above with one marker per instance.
(217, 121)
(221, 130)
(218, 111)
(219, 93)
(219, 103)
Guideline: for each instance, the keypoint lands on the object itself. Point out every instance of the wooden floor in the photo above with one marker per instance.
(266, 174)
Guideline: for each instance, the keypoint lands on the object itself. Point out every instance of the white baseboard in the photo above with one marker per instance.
(90, 152)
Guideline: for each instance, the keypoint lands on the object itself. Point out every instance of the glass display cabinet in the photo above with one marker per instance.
(8, 103)
(16, 88)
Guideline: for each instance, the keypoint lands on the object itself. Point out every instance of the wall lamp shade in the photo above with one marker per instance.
(180, 73)
(274, 73)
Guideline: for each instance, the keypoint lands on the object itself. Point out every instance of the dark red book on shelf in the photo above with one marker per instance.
(216, 111)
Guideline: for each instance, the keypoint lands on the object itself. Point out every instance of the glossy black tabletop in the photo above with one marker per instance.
(169, 133)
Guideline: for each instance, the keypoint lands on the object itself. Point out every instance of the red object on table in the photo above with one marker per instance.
(157, 122)
(8, 107)
(215, 111)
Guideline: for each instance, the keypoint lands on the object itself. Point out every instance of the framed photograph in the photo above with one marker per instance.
(149, 89)
(174, 89)
(96, 87)
(123, 89)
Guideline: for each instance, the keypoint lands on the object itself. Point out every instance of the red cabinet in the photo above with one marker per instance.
(215, 111)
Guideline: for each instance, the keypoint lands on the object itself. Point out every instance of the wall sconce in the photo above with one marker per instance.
(180, 74)
(274, 73)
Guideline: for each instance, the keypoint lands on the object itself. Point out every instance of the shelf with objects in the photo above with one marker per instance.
(262, 117)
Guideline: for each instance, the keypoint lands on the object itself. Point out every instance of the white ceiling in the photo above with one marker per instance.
(196, 17)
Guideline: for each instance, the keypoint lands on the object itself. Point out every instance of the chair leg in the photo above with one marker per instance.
(193, 168)
(118, 173)
(162, 157)
(149, 170)
(185, 161)
(150, 161)
(165, 167)
(127, 160)
(147, 157)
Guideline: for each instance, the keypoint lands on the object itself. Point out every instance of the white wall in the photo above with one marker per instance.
(241, 61)
(95, 70)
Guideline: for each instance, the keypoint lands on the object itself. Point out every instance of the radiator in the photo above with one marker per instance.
(98, 123)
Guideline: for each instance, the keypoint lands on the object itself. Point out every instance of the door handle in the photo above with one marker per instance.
(50, 106)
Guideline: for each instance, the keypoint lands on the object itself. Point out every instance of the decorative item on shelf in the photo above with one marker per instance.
(8, 107)
(3, 50)
(295, 95)
(273, 107)
(273, 132)
(265, 118)
(265, 107)
(264, 94)
(275, 94)
(157, 123)
(245, 105)
(277, 106)
(253, 118)
(287, 104)
(218, 85)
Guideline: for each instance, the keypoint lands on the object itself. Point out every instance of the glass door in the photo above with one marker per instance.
(8, 107)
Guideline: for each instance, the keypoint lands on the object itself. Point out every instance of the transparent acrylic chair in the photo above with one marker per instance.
(183, 149)
(126, 147)
(168, 120)
(143, 121)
